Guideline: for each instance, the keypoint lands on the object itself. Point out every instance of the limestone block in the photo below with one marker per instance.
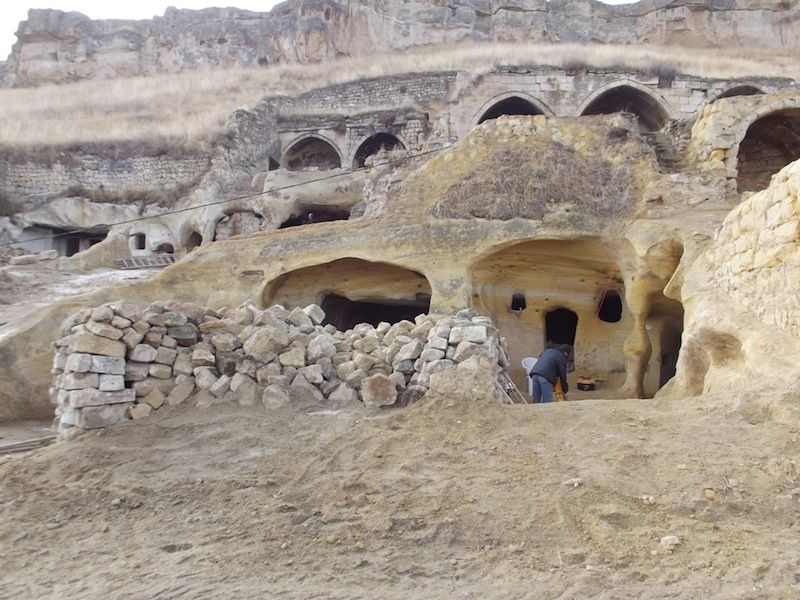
(299, 318)
(60, 360)
(296, 357)
(344, 369)
(430, 354)
(247, 392)
(143, 388)
(469, 333)
(160, 371)
(312, 373)
(398, 378)
(183, 364)
(155, 399)
(378, 390)
(107, 364)
(102, 314)
(80, 381)
(226, 362)
(127, 310)
(275, 396)
(328, 370)
(437, 343)
(225, 341)
(266, 343)
(95, 417)
(267, 371)
(203, 358)
(363, 361)
(92, 344)
(409, 351)
(344, 395)
(355, 378)
(281, 380)
(135, 371)
(221, 386)
(169, 342)
(368, 343)
(404, 366)
(78, 363)
(303, 391)
(153, 338)
(93, 397)
(321, 346)
(241, 316)
(247, 366)
(315, 313)
(437, 366)
(143, 353)
(440, 330)
(422, 330)
(466, 350)
(184, 335)
(111, 383)
(166, 356)
(139, 411)
(141, 327)
(180, 393)
(268, 318)
(25, 259)
(120, 323)
(132, 338)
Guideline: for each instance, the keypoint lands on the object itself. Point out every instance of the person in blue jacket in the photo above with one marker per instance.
(550, 366)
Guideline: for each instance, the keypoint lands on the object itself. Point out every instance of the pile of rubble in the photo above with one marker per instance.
(120, 361)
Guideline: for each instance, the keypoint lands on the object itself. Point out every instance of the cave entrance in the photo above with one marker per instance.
(312, 154)
(560, 326)
(771, 143)
(651, 114)
(380, 142)
(318, 214)
(343, 313)
(193, 241)
(665, 330)
(510, 106)
(352, 291)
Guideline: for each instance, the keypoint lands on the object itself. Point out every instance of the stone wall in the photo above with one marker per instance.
(55, 46)
(29, 176)
(119, 361)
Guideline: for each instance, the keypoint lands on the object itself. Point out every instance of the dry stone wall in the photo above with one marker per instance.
(119, 362)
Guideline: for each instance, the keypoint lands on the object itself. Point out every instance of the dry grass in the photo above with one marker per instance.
(192, 108)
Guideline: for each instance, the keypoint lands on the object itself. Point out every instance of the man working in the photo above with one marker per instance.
(550, 366)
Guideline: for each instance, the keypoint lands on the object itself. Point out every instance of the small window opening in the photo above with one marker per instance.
(73, 246)
(610, 309)
(518, 302)
(140, 241)
(165, 249)
(316, 215)
(195, 240)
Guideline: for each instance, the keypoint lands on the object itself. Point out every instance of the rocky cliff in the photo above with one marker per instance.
(56, 46)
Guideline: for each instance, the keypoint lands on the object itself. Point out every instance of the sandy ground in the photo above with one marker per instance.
(443, 499)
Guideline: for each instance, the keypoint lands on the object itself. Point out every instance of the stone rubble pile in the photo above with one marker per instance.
(119, 361)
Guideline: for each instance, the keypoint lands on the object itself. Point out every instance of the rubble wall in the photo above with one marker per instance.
(119, 361)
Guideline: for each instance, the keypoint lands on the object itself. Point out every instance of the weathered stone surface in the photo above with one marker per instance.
(221, 386)
(160, 371)
(120, 323)
(143, 353)
(127, 310)
(378, 390)
(132, 338)
(92, 344)
(409, 351)
(143, 388)
(315, 313)
(202, 357)
(78, 363)
(302, 391)
(299, 318)
(275, 396)
(312, 373)
(111, 383)
(226, 362)
(247, 392)
(93, 397)
(183, 364)
(107, 364)
(166, 356)
(156, 399)
(139, 411)
(95, 417)
(205, 377)
(470, 333)
(296, 357)
(224, 341)
(180, 393)
(136, 371)
(80, 381)
(430, 354)
(321, 346)
(103, 330)
(344, 395)
(102, 314)
(185, 335)
(266, 343)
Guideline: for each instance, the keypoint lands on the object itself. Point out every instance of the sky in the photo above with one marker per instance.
(13, 11)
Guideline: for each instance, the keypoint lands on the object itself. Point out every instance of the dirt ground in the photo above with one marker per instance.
(444, 499)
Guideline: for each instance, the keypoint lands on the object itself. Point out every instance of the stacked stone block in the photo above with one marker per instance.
(120, 362)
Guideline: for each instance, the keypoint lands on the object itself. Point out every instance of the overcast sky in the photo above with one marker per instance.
(13, 11)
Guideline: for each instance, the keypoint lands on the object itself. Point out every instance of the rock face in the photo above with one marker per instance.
(55, 46)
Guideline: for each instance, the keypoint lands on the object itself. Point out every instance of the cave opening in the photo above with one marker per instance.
(560, 326)
(193, 241)
(375, 144)
(343, 313)
(312, 154)
(610, 308)
(771, 143)
(510, 106)
(651, 115)
(319, 214)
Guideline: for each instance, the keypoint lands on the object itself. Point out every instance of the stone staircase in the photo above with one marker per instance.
(669, 158)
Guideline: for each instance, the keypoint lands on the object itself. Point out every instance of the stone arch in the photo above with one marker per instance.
(632, 97)
(552, 274)
(510, 103)
(352, 291)
(739, 90)
(771, 142)
(373, 144)
(311, 152)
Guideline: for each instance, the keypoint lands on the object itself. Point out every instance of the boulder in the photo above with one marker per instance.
(102, 314)
(92, 344)
(184, 335)
(166, 356)
(275, 396)
(468, 333)
(139, 411)
(344, 395)
(378, 390)
(180, 393)
(95, 417)
(143, 353)
(266, 343)
(160, 371)
(315, 313)
(135, 371)
(79, 363)
(295, 357)
(155, 399)
(108, 364)
(321, 346)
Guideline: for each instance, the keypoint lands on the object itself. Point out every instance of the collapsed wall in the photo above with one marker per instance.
(119, 361)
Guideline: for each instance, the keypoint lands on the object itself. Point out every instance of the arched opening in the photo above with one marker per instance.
(352, 291)
(559, 281)
(652, 116)
(374, 144)
(740, 90)
(771, 143)
(316, 214)
(665, 330)
(312, 154)
(610, 308)
(518, 302)
(560, 326)
(193, 241)
(242, 223)
(510, 106)
(165, 248)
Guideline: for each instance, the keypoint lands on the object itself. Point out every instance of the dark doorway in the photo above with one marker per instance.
(312, 154)
(610, 309)
(560, 326)
(73, 246)
(316, 215)
(770, 144)
(510, 106)
(195, 239)
(652, 116)
(374, 144)
(344, 313)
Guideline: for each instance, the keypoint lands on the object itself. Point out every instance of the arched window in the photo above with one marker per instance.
(312, 154)
(510, 106)
(625, 98)
(374, 144)
(561, 326)
(518, 302)
(610, 308)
